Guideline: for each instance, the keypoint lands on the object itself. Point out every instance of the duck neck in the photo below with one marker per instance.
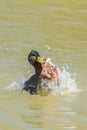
(38, 68)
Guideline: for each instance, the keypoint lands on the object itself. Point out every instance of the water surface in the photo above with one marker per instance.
(58, 29)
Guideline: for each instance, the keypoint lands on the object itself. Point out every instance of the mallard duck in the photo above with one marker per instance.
(43, 70)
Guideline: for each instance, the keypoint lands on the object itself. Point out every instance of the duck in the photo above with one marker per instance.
(44, 71)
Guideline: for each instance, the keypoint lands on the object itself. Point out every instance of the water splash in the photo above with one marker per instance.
(15, 86)
(67, 83)
(12, 86)
(21, 82)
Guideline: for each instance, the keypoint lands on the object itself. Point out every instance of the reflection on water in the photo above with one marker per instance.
(58, 30)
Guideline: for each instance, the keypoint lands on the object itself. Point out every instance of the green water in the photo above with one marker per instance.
(57, 29)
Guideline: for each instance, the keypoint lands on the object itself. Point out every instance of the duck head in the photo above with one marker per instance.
(34, 58)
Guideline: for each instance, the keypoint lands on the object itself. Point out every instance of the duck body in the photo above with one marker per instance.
(44, 73)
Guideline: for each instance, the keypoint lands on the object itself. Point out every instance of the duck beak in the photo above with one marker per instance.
(39, 60)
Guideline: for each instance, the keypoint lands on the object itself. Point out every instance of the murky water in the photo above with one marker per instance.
(58, 29)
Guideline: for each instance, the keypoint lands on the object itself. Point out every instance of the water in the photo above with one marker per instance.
(58, 29)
